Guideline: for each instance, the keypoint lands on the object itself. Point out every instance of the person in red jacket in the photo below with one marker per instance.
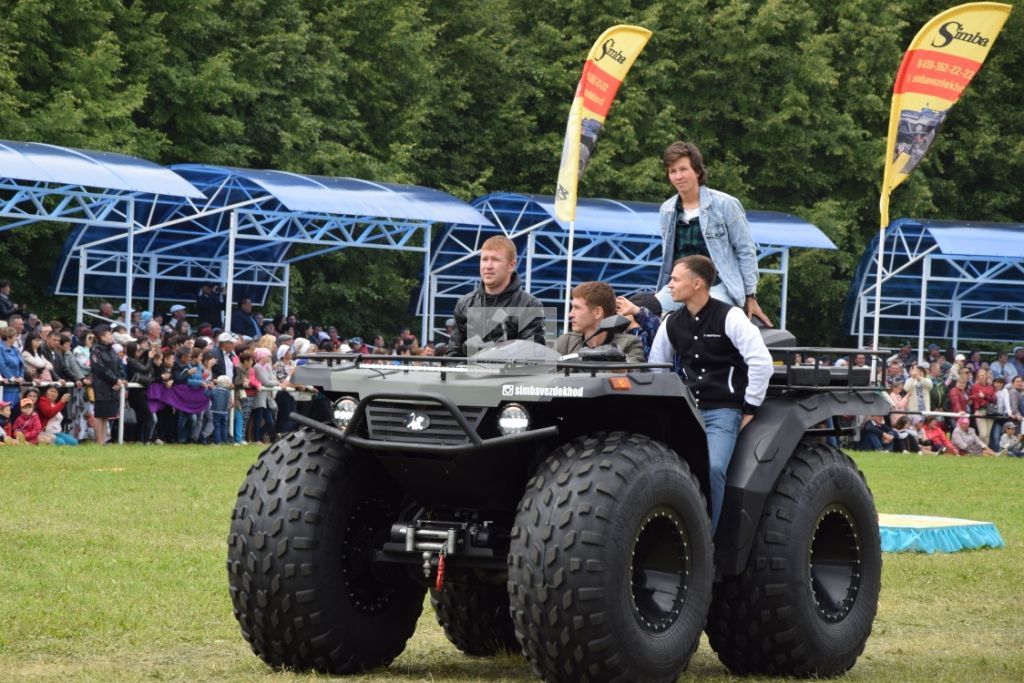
(49, 407)
(27, 423)
(956, 399)
(983, 399)
(935, 432)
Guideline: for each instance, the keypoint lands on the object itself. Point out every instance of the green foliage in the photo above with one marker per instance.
(788, 100)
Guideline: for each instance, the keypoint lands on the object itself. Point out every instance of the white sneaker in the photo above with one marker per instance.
(158, 442)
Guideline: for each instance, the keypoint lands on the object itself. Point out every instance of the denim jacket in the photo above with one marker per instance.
(723, 222)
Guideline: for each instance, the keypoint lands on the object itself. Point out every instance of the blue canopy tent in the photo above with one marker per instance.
(145, 231)
(942, 280)
(615, 241)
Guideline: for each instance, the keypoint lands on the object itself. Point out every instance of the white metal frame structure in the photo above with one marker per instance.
(155, 233)
(947, 280)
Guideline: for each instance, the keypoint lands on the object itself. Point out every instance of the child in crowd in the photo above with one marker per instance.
(244, 391)
(51, 405)
(220, 406)
(27, 427)
(203, 432)
(188, 374)
(5, 425)
(906, 437)
(1010, 442)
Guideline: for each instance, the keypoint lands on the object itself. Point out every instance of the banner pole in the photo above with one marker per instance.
(568, 275)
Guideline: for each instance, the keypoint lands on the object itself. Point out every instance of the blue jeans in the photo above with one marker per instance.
(185, 423)
(668, 305)
(722, 426)
(220, 427)
(62, 439)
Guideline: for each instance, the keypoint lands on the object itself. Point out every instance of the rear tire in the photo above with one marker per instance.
(475, 618)
(805, 603)
(610, 562)
(307, 520)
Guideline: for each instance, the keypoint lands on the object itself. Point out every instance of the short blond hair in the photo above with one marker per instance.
(500, 243)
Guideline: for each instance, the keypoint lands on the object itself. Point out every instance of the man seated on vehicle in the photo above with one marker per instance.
(592, 302)
(721, 357)
(500, 291)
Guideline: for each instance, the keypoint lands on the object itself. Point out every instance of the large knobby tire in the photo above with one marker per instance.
(303, 588)
(610, 565)
(475, 618)
(805, 602)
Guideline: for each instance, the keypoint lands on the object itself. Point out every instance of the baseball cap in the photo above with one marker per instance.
(225, 337)
(450, 322)
(176, 307)
(5, 404)
(960, 356)
(933, 346)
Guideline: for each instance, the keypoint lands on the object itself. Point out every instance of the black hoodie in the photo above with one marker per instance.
(508, 327)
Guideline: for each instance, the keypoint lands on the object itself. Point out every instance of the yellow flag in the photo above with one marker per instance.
(606, 67)
(941, 61)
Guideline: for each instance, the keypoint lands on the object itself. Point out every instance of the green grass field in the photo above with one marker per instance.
(112, 568)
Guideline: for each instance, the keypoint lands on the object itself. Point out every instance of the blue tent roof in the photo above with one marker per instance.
(974, 285)
(277, 210)
(40, 162)
(350, 196)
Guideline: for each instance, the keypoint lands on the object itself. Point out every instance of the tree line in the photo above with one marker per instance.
(788, 99)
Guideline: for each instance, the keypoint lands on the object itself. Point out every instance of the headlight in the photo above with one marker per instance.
(513, 419)
(344, 409)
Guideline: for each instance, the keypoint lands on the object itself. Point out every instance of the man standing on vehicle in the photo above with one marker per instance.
(501, 293)
(722, 359)
(592, 302)
(706, 222)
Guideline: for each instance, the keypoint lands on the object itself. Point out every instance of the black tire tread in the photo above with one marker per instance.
(288, 609)
(475, 618)
(561, 619)
(754, 625)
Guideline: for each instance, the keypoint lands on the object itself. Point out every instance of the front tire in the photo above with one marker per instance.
(805, 602)
(302, 582)
(610, 562)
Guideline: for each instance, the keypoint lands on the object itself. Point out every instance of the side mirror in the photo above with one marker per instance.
(613, 324)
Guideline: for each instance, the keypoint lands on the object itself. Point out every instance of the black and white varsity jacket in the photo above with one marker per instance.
(719, 353)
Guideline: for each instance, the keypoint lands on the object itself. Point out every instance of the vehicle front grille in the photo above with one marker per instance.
(388, 420)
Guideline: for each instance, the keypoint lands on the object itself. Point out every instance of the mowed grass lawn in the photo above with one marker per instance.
(112, 568)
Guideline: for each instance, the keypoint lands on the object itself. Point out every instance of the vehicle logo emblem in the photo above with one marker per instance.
(416, 422)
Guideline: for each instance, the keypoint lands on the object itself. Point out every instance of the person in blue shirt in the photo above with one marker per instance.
(12, 367)
(705, 222)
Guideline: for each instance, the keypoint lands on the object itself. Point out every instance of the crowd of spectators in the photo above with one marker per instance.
(187, 377)
(184, 377)
(947, 402)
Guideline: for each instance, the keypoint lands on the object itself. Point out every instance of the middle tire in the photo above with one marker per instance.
(475, 618)
(610, 565)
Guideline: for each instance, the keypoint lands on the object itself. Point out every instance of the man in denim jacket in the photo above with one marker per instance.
(706, 222)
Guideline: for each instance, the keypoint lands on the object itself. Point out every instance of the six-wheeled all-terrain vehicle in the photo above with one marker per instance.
(558, 508)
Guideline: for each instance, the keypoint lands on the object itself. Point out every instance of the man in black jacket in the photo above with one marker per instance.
(243, 322)
(500, 292)
(721, 357)
(7, 307)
